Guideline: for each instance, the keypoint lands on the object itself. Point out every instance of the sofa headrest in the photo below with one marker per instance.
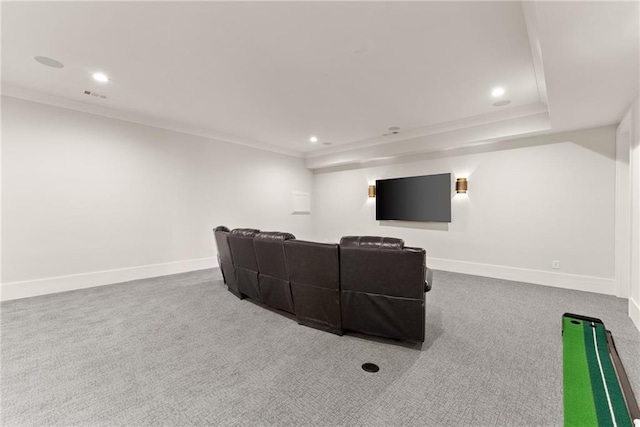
(221, 228)
(274, 235)
(244, 232)
(372, 242)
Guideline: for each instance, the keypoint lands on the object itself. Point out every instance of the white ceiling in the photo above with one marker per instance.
(590, 54)
(272, 74)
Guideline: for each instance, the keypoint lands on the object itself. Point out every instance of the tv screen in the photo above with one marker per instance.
(416, 198)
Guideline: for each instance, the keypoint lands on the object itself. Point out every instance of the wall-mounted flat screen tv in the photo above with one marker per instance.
(416, 198)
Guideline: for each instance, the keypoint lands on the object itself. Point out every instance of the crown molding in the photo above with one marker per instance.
(70, 104)
(531, 21)
(439, 128)
(438, 137)
(447, 139)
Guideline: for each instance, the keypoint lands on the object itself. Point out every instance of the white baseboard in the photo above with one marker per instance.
(31, 288)
(634, 312)
(598, 285)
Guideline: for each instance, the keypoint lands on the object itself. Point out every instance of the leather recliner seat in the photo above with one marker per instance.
(314, 272)
(382, 287)
(373, 285)
(273, 278)
(225, 260)
(244, 259)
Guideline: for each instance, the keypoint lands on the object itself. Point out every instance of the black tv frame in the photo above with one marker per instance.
(424, 198)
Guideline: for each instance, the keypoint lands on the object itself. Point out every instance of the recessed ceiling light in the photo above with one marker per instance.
(49, 62)
(394, 128)
(497, 92)
(327, 143)
(100, 77)
(501, 103)
(313, 139)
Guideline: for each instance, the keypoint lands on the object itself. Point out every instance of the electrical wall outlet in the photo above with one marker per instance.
(555, 264)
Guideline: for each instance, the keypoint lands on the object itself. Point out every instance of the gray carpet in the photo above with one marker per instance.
(181, 350)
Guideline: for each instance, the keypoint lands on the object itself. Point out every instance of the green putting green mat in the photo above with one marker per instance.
(596, 390)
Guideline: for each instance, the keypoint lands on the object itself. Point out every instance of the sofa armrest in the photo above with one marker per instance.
(428, 279)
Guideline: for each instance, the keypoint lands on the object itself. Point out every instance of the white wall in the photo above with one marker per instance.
(624, 136)
(634, 184)
(530, 201)
(88, 200)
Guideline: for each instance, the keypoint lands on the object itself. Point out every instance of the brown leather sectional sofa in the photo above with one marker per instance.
(374, 285)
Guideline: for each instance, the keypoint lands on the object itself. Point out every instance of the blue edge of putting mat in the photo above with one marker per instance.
(597, 391)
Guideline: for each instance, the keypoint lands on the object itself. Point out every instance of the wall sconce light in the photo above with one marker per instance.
(461, 185)
(372, 191)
